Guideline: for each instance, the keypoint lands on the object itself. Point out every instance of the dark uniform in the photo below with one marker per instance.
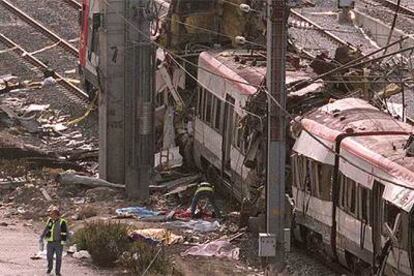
(204, 191)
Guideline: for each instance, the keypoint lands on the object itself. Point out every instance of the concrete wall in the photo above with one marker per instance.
(379, 32)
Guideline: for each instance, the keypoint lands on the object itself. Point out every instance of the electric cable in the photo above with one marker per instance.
(287, 114)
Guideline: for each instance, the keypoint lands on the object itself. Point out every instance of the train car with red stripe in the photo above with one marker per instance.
(353, 187)
(91, 20)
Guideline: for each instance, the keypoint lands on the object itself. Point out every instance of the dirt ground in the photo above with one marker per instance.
(19, 241)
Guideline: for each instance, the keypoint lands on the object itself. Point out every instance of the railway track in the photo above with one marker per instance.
(393, 6)
(327, 35)
(74, 4)
(22, 53)
(40, 27)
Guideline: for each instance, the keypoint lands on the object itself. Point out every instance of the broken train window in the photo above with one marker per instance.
(208, 107)
(217, 114)
(348, 195)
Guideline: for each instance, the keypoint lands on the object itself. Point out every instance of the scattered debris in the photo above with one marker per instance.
(45, 194)
(100, 194)
(83, 254)
(69, 178)
(156, 235)
(217, 248)
(195, 225)
(139, 212)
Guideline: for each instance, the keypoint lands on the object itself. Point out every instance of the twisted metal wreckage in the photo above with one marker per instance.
(212, 81)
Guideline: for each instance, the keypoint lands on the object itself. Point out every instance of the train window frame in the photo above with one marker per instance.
(313, 177)
(364, 204)
(293, 158)
(302, 163)
(203, 101)
(238, 134)
(402, 232)
(348, 195)
(208, 108)
(199, 101)
(217, 114)
(325, 173)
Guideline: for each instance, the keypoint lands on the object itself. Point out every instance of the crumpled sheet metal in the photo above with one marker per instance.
(217, 248)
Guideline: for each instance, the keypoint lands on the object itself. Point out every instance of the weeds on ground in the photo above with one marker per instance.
(143, 258)
(87, 212)
(109, 244)
(105, 241)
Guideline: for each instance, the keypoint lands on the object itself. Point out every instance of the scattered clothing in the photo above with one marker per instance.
(196, 225)
(140, 212)
(155, 236)
(217, 248)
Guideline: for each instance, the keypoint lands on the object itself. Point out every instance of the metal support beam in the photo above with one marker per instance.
(276, 152)
(139, 109)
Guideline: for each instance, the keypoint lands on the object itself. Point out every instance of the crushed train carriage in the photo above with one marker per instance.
(364, 217)
(363, 221)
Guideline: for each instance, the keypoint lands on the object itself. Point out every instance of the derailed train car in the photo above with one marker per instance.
(230, 125)
(354, 198)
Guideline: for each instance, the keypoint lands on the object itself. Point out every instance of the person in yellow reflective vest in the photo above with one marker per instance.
(56, 235)
(204, 191)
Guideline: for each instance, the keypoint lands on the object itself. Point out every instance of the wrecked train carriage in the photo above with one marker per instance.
(231, 117)
(181, 26)
(363, 217)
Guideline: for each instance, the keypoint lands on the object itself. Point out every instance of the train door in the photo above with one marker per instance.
(228, 126)
(377, 216)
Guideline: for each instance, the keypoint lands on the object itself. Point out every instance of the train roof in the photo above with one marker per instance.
(244, 66)
(384, 152)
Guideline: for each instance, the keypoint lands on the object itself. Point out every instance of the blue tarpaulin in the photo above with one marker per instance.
(140, 212)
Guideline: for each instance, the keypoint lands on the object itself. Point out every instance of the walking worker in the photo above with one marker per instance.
(56, 234)
(204, 191)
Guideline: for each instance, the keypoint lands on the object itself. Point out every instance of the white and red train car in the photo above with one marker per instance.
(356, 195)
(228, 80)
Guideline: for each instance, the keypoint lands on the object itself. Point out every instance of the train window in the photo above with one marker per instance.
(203, 101)
(238, 134)
(347, 197)
(217, 120)
(390, 213)
(352, 197)
(199, 101)
(208, 106)
(313, 177)
(364, 204)
(302, 171)
(294, 171)
(325, 177)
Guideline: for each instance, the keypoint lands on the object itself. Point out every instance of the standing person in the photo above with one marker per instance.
(204, 191)
(55, 233)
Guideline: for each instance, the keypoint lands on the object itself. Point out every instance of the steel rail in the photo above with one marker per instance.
(393, 5)
(74, 4)
(37, 25)
(330, 36)
(36, 62)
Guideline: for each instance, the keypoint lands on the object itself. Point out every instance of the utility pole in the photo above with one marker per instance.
(276, 152)
(126, 103)
(111, 99)
(139, 79)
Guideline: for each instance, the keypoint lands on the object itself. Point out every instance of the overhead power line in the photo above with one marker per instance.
(287, 113)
